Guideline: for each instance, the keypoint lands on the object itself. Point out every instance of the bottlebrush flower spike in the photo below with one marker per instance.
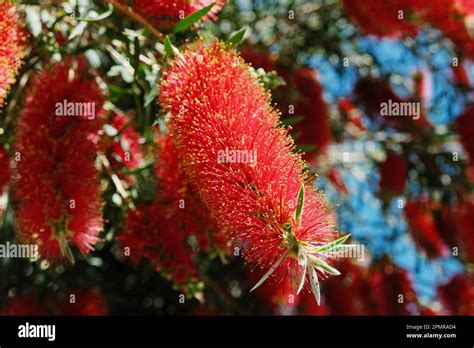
(12, 46)
(58, 189)
(150, 233)
(423, 229)
(166, 13)
(393, 174)
(242, 164)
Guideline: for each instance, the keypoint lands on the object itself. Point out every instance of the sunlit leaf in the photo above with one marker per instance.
(191, 19)
(269, 272)
(332, 244)
(315, 285)
(304, 264)
(237, 38)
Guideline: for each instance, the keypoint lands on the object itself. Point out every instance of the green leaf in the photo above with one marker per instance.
(191, 19)
(327, 268)
(315, 285)
(237, 38)
(332, 244)
(300, 204)
(304, 264)
(270, 271)
(289, 121)
(307, 147)
(168, 46)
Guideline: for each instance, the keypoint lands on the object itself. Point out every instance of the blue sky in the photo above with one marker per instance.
(361, 213)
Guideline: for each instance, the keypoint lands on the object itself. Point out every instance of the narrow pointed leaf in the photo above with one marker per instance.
(315, 285)
(236, 39)
(300, 204)
(289, 121)
(270, 271)
(328, 268)
(191, 19)
(303, 274)
(169, 49)
(332, 244)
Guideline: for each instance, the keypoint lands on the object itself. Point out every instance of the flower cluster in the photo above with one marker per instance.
(12, 46)
(165, 13)
(396, 18)
(217, 105)
(57, 190)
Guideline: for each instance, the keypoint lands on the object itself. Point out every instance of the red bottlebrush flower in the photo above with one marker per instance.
(166, 13)
(58, 189)
(12, 46)
(457, 295)
(393, 289)
(4, 169)
(81, 302)
(150, 233)
(127, 149)
(27, 305)
(423, 229)
(351, 294)
(393, 174)
(392, 18)
(465, 128)
(241, 163)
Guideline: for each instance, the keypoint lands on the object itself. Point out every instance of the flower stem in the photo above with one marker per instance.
(136, 17)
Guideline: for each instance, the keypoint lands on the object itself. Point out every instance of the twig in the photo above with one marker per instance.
(136, 17)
